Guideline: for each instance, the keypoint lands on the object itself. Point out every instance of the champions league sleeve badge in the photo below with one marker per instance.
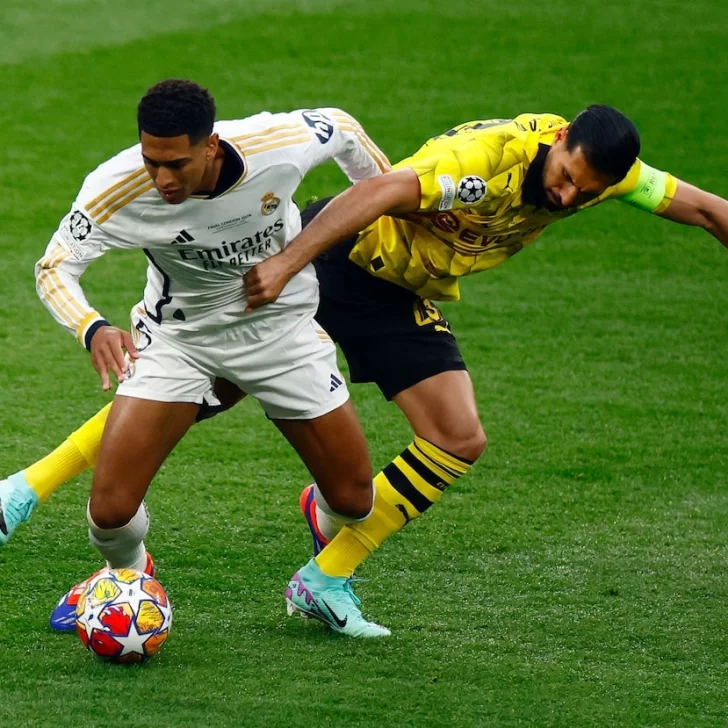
(471, 190)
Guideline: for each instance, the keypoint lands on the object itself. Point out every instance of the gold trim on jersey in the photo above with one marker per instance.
(127, 180)
(278, 142)
(54, 256)
(348, 123)
(59, 298)
(85, 322)
(48, 295)
(130, 196)
(266, 133)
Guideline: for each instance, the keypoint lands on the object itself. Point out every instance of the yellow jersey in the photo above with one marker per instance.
(476, 210)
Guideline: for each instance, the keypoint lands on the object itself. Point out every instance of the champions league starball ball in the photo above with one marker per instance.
(123, 616)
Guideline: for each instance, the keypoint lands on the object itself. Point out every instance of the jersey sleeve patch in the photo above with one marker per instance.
(447, 189)
(322, 126)
(471, 190)
(73, 231)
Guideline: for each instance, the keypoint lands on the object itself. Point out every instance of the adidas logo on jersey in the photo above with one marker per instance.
(335, 383)
(183, 237)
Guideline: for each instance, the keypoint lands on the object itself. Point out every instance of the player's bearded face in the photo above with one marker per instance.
(177, 167)
(568, 179)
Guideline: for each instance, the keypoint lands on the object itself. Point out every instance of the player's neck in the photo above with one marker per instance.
(212, 173)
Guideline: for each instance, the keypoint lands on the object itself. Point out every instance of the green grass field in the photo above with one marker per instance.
(577, 577)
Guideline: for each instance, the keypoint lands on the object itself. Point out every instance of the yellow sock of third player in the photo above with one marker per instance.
(404, 490)
(76, 454)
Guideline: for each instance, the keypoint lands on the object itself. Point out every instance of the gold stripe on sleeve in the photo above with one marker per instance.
(137, 192)
(128, 179)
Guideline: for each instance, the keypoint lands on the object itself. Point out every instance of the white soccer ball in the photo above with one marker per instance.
(123, 616)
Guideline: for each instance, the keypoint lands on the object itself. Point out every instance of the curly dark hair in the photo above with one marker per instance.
(609, 140)
(176, 107)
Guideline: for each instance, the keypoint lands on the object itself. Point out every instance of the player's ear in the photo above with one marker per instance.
(213, 143)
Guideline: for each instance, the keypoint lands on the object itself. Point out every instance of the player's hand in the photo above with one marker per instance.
(107, 353)
(265, 281)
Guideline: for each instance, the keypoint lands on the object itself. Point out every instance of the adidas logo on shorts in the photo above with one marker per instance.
(183, 237)
(335, 383)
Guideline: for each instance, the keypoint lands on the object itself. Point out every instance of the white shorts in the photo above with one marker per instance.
(286, 361)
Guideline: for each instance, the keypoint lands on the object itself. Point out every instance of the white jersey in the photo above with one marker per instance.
(199, 250)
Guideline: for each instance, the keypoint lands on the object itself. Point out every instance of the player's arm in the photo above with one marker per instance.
(653, 190)
(339, 136)
(77, 243)
(393, 193)
(335, 135)
(693, 206)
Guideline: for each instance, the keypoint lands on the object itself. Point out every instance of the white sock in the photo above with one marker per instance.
(330, 522)
(122, 547)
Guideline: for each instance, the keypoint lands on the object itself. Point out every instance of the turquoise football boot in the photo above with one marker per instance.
(17, 502)
(331, 600)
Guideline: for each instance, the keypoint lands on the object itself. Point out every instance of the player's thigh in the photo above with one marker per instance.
(442, 409)
(138, 436)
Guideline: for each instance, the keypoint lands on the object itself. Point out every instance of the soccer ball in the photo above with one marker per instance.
(123, 616)
(471, 190)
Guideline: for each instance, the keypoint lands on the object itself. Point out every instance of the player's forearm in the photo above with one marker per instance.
(716, 219)
(693, 206)
(61, 294)
(350, 212)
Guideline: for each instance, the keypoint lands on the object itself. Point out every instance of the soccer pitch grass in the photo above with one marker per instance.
(577, 576)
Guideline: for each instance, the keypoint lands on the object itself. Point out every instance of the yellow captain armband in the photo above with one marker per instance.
(653, 190)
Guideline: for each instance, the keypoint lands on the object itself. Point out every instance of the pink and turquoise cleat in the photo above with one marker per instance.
(331, 600)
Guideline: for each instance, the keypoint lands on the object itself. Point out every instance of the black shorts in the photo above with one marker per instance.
(388, 335)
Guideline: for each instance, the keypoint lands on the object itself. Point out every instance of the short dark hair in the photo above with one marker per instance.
(609, 140)
(176, 107)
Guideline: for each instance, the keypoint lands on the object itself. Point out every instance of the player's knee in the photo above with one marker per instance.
(468, 441)
(112, 512)
(352, 500)
(473, 445)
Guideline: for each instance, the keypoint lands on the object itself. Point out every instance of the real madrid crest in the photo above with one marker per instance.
(269, 203)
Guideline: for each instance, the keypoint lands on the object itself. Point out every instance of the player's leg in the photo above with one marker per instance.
(138, 437)
(21, 492)
(152, 410)
(334, 450)
(404, 345)
(295, 377)
(448, 439)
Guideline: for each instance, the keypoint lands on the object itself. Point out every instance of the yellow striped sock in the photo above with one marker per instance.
(76, 454)
(404, 490)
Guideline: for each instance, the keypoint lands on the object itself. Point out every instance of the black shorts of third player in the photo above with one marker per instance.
(389, 335)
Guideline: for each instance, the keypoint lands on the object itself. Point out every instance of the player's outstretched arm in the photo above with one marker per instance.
(693, 206)
(394, 193)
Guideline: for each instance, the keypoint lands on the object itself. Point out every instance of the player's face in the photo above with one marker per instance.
(177, 167)
(568, 179)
